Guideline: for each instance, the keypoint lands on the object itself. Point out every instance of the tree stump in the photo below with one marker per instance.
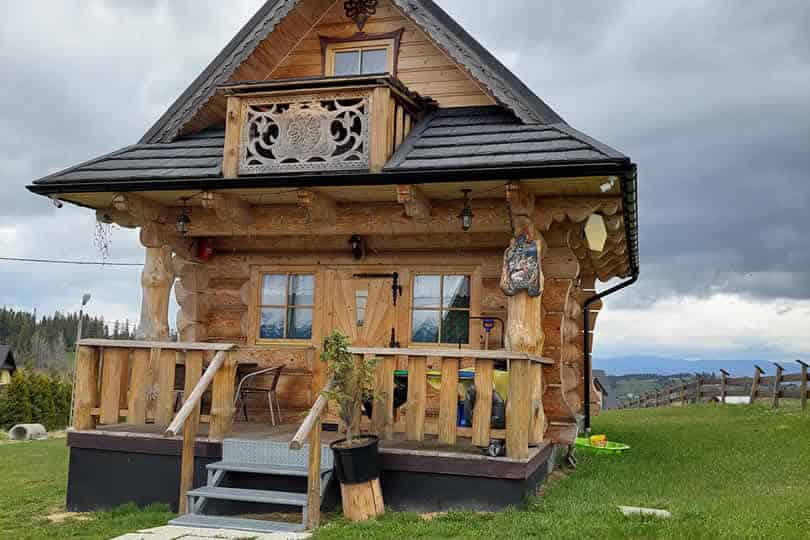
(362, 502)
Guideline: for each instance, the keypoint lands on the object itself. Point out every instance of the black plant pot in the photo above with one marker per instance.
(359, 464)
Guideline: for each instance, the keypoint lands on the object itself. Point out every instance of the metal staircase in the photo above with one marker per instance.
(251, 459)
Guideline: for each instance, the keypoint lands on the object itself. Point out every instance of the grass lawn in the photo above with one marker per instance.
(724, 472)
(33, 477)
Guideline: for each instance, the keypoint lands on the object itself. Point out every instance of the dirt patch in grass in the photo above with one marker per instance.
(61, 517)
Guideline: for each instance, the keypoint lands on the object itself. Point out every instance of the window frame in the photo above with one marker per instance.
(258, 305)
(472, 310)
(359, 42)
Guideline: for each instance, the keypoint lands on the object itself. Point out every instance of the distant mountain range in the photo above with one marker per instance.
(631, 365)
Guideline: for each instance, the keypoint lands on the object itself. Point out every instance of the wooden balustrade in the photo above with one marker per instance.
(525, 419)
(133, 383)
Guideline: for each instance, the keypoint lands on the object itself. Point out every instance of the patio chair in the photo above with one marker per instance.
(243, 391)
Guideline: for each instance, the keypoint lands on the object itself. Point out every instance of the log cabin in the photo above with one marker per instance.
(368, 167)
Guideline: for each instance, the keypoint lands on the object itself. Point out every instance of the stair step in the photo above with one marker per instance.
(255, 468)
(284, 498)
(236, 524)
(263, 452)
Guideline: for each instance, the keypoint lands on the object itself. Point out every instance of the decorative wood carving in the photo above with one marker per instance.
(417, 204)
(360, 11)
(156, 279)
(140, 208)
(228, 208)
(522, 271)
(299, 133)
(321, 210)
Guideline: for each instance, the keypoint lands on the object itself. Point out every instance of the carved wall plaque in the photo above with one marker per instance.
(293, 133)
(521, 268)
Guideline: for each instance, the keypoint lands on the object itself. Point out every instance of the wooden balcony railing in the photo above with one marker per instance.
(525, 419)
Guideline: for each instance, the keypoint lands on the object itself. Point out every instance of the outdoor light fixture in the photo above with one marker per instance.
(358, 247)
(596, 233)
(183, 222)
(466, 215)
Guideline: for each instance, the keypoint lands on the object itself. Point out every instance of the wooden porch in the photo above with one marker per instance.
(125, 398)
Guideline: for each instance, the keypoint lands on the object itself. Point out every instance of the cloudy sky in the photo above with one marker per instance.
(710, 98)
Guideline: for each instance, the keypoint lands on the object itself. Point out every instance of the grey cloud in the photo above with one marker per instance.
(709, 97)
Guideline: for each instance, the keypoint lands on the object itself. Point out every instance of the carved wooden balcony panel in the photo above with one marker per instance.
(303, 133)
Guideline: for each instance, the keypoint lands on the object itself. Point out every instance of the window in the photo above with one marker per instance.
(441, 309)
(359, 58)
(286, 306)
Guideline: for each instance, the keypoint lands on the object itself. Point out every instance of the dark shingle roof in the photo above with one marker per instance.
(482, 137)
(7, 359)
(191, 157)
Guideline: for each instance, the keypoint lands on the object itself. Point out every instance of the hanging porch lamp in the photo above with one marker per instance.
(466, 215)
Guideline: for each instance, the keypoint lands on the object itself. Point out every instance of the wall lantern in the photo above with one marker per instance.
(183, 221)
(596, 233)
(466, 215)
(358, 247)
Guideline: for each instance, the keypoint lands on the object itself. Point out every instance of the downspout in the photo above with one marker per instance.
(629, 187)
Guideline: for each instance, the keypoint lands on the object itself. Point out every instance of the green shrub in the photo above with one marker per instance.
(35, 398)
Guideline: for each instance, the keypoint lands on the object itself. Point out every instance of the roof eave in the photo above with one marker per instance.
(348, 178)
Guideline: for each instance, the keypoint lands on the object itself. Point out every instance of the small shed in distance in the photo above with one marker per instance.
(7, 365)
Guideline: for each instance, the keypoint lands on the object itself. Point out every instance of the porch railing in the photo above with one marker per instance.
(135, 381)
(525, 418)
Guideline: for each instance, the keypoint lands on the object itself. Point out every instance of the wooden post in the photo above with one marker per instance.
(164, 412)
(803, 384)
(314, 478)
(380, 119)
(417, 398)
(539, 423)
(755, 385)
(156, 280)
(723, 385)
(86, 389)
(684, 396)
(699, 389)
(448, 401)
(382, 417)
(777, 385)
(233, 130)
(518, 410)
(222, 401)
(194, 362)
(138, 382)
(114, 371)
(482, 413)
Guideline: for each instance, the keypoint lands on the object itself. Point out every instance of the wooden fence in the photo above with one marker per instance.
(704, 389)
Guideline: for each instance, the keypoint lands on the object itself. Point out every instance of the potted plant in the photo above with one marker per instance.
(357, 462)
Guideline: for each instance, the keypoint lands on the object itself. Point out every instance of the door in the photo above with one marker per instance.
(364, 308)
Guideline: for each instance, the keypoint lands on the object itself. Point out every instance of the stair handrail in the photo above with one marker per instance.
(196, 395)
(315, 414)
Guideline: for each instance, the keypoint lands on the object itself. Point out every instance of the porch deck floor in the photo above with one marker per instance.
(285, 432)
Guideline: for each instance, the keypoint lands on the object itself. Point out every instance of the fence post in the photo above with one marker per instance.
(683, 393)
(777, 385)
(723, 385)
(758, 373)
(803, 385)
(699, 389)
